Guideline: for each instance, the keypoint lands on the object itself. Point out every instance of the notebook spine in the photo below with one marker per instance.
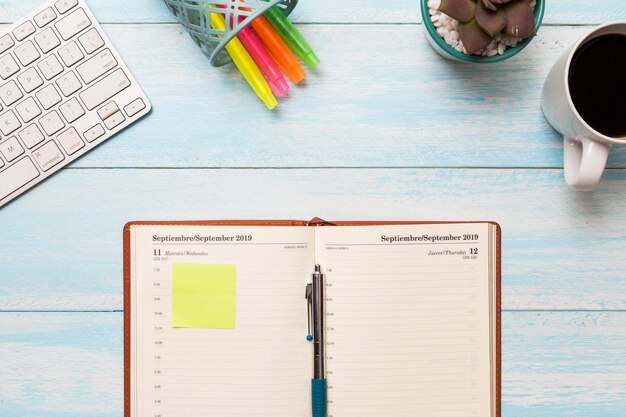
(316, 221)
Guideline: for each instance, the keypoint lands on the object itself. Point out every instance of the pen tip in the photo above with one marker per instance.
(297, 74)
(282, 85)
(270, 101)
(318, 268)
(311, 60)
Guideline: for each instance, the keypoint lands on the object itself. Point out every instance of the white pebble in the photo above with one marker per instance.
(434, 4)
(500, 48)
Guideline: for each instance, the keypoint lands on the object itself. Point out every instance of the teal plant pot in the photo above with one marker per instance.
(442, 48)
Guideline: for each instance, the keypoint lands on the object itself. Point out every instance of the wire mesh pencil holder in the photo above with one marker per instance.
(194, 16)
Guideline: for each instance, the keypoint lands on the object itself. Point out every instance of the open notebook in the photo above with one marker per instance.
(412, 329)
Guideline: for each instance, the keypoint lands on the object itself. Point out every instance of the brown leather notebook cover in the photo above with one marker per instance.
(315, 222)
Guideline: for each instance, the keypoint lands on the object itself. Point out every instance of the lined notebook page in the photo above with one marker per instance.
(408, 327)
(261, 368)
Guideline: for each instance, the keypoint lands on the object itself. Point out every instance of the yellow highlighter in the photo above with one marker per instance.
(246, 65)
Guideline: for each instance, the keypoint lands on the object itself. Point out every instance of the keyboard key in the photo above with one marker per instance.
(48, 156)
(73, 23)
(9, 123)
(104, 89)
(72, 110)
(5, 43)
(51, 123)
(24, 30)
(115, 120)
(45, 17)
(11, 149)
(50, 67)
(65, 5)
(28, 109)
(16, 176)
(48, 96)
(31, 136)
(134, 107)
(68, 83)
(71, 54)
(8, 66)
(94, 133)
(93, 68)
(91, 41)
(70, 141)
(108, 110)
(30, 80)
(10, 93)
(26, 53)
(47, 40)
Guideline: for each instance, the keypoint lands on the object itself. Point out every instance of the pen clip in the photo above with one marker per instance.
(309, 300)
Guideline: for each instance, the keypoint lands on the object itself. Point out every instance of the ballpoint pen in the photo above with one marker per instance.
(246, 65)
(292, 36)
(279, 50)
(315, 297)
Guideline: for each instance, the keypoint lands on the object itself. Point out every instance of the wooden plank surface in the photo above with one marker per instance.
(321, 11)
(562, 249)
(555, 364)
(357, 111)
(389, 103)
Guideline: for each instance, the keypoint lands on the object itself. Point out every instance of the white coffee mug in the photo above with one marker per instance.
(585, 149)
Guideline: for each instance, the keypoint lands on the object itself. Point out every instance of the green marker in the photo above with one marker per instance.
(292, 36)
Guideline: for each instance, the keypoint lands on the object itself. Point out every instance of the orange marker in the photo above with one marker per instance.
(279, 50)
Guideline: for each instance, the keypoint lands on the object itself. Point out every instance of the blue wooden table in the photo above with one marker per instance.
(385, 129)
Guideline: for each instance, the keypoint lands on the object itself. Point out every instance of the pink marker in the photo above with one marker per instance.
(263, 60)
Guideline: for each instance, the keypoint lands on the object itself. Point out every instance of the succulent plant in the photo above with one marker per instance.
(481, 20)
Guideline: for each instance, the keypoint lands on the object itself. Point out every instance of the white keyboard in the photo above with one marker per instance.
(63, 90)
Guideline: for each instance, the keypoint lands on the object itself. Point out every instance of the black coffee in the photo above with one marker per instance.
(597, 83)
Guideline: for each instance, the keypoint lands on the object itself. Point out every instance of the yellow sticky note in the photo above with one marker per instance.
(204, 295)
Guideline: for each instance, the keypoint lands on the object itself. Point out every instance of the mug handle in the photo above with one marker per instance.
(584, 162)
